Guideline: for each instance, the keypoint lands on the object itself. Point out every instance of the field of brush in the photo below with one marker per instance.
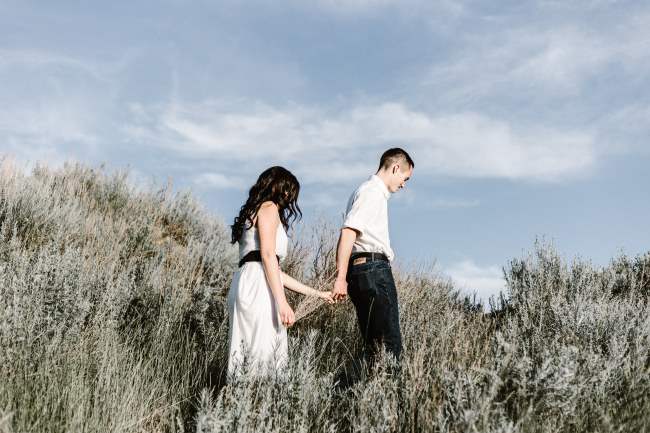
(112, 319)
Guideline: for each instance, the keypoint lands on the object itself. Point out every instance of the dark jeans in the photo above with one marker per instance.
(371, 288)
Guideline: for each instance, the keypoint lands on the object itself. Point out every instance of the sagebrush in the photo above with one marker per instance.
(112, 319)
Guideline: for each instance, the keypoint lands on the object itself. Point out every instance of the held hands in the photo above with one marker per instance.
(326, 296)
(286, 314)
(340, 291)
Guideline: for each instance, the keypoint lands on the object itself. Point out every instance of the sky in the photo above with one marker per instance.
(526, 119)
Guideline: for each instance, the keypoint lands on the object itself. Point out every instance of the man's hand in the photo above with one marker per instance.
(343, 251)
(340, 291)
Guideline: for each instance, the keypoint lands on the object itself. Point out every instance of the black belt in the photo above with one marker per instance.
(370, 256)
(253, 256)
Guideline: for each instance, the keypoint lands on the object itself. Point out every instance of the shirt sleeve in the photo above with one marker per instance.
(359, 211)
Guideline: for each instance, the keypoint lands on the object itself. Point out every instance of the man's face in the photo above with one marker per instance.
(399, 177)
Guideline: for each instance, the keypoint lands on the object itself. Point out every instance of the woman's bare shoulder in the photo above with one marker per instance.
(268, 204)
(268, 211)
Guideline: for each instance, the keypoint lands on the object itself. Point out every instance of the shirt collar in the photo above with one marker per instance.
(381, 184)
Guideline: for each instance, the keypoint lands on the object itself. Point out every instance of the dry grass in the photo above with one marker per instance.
(112, 318)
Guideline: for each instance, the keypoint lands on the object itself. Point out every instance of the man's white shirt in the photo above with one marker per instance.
(367, 213)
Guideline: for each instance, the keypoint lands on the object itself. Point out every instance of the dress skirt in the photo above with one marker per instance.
(258, 339)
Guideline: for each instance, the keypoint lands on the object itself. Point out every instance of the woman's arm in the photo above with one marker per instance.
(296, 286)
(268, 221)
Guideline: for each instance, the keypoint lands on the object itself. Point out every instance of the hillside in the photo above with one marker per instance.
(112, 318)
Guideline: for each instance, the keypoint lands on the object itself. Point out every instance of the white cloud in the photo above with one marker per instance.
(484, 281)
(54, 121)
(52, 131)
(34, 59)
(539, 59)
(217, 181)
(562, 59)
(474, 145)
(332, 148)
(53, 107)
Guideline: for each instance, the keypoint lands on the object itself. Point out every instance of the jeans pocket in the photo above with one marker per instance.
(385, 285)
(365, 283)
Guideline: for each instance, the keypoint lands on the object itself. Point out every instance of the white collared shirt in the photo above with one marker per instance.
(367, 213)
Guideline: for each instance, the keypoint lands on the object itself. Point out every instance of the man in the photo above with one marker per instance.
(363, 255)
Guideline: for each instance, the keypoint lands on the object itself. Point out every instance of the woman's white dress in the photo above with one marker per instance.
(257, 337)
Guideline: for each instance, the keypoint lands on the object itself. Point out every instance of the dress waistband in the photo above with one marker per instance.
(253, 256)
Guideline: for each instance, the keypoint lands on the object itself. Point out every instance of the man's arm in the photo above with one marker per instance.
(343, 252)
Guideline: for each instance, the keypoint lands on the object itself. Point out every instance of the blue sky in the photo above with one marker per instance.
(525, 119)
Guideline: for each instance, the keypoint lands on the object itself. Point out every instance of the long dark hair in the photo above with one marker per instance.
(276, 184)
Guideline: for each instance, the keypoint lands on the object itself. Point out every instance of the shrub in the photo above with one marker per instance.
(112, 318)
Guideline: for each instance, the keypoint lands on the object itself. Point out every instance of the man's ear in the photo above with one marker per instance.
(395, 168)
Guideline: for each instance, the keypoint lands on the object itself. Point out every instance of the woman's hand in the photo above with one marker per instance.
(327, 296)
(286, 314)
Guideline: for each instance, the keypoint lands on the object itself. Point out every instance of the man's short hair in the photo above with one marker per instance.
(394, 156)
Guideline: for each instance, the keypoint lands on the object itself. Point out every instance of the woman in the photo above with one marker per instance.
(257, 305)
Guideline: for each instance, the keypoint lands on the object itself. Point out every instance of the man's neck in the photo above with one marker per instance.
(381, 174)
(383, 177)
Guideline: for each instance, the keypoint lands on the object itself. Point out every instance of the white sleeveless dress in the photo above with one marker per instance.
(257, 337)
